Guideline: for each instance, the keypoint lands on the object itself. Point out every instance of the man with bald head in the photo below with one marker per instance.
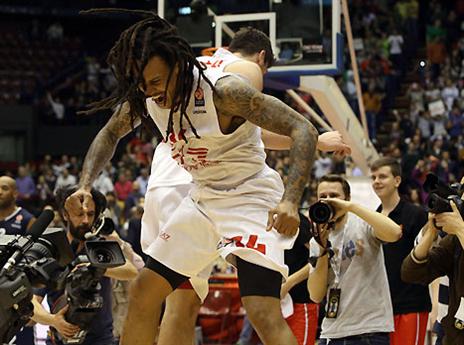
(14, 220)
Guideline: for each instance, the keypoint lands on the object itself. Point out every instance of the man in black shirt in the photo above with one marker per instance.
(411, 302)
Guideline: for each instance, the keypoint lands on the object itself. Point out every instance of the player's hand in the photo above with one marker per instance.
(333, 142)
(78, 202)
(284, 218)
(63, 327)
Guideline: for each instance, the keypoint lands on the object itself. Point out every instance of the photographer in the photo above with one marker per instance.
(350, 269)
(427, 262)
(77, 227)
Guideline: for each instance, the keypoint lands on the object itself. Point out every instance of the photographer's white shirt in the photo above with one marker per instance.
(365, 304)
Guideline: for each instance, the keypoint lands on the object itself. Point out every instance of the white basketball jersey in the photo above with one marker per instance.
(165, 171)
(214, 159)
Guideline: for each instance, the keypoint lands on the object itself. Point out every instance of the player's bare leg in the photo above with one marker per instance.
(178, 324)
(146, 297)
(266, 317)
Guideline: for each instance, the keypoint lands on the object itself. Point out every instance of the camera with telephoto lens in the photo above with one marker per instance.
(33, 260)
(441, 195)
(82, 287)
(321, 212)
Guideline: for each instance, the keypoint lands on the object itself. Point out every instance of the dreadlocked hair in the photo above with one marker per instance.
(151, 36)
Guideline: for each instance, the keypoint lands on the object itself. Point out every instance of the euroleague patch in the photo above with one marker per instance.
(199, 97)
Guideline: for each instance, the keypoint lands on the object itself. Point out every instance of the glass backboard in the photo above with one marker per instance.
(305, 34)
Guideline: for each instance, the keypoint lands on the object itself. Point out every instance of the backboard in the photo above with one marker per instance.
(305, 34)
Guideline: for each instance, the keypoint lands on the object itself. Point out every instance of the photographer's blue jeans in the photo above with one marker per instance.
(362, 339)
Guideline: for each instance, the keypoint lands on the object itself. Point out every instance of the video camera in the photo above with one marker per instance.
(441, 194)
(82, 286)
(32, 260)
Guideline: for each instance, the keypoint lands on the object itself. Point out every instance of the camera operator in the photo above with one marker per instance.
(426, 262)
(77, 226)
(14, 220)
(350, 269)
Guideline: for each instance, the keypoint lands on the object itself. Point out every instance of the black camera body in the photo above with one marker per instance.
(82, 287)
(321, 212)
(441, 195)
(27, 262)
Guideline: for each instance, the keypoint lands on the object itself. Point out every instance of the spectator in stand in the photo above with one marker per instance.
(436, 55)
(113, 210)
(142, 180)
(416, 95)
(373, 103)
(134, 230)
(74, 166)
(57, 107)
(25, 186)
(103, 183)
(44, 192)
(122, 187)
(449, 94)
(415, 197)
(322, 165)
(411, 302)
(424, 124)
(62, 164)
(133, 199)
(455, 123)
(50, 178)
(439, 127)
(395, 42)
(55, 32)
(65, 180)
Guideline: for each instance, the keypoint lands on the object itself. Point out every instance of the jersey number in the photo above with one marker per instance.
(250, 244)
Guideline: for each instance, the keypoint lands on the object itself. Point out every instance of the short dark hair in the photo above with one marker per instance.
(249, 41)
(395, 167)
(337, 178)
(63, 193)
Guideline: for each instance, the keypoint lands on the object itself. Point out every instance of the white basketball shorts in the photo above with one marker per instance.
(160, 204)
(229, 222)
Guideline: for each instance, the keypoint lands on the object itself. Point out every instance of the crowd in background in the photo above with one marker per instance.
(425, 133)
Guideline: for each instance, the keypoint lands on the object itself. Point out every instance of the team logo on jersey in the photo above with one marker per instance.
(225, 242)
(19, 218)
(199, 98)
(164, 236)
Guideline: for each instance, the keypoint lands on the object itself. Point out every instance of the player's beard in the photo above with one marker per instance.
(78, 232)
(6, 203)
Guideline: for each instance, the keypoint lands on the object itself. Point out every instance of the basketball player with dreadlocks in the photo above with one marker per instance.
(237, 206)
(169, 183)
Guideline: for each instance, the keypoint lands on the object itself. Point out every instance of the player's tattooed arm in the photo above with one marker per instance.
(233, 97)
(104, 145)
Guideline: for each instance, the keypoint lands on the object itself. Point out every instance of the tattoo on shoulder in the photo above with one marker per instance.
(234, 97)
